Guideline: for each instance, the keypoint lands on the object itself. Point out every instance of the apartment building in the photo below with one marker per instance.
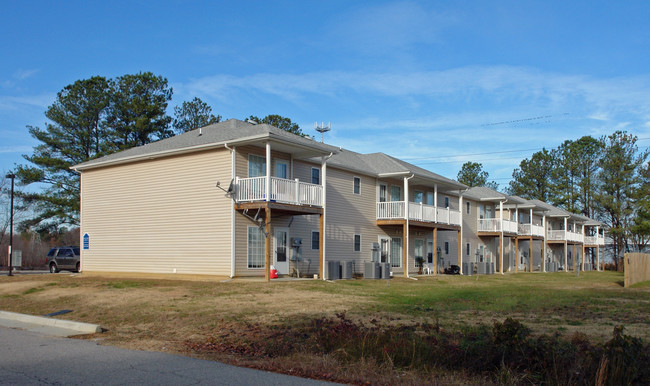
(234, 198)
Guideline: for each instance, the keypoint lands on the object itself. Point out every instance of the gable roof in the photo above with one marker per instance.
(230, 132)
(383, 165)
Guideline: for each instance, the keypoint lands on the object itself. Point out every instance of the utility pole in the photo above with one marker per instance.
(11, 226)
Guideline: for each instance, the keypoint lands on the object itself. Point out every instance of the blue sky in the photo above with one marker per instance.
(434, 83)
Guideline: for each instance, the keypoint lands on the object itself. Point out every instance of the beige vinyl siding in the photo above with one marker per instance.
(159, 216)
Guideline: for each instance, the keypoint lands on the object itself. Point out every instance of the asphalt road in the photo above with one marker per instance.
(30, 358)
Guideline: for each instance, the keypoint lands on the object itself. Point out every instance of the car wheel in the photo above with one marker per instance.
(77, 267)
(53, 268)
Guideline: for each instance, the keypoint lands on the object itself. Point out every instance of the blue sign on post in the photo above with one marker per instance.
(86, 241)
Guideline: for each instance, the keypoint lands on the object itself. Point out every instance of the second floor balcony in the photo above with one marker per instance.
(530, 230)
(563, 235)
(397, 210)
(496, 225)
(281, 190)
(595, 240)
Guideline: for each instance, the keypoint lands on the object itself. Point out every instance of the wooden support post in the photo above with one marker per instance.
(435, 251)
(597, 258)
(267, 244)
(516, 255)
(566, 255)
(405, 250)
(582, 258)
(321, 250)
(530, 254)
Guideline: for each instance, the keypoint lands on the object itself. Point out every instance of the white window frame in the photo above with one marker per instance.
(311, 240)
(249, 251)
(391, 193)
(312, 176)
(356, 189)
(354, 242)
(415, 195)
(401, 252)
(385, 193)
(282, 162)
(250, 156)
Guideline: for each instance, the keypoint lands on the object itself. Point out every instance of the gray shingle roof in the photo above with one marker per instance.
(215, 135)
(482, 193)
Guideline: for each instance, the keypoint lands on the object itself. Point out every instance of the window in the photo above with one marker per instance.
(382, 193)
(281, 169)
(468, 206)
(357, 185)
(315, 240)
(395, 193)
(51, 252)
(468, 247)
(446, 202)
(446, 247)
(256, 166)
(255, 247)
(396, 252)
(418, 196)
(430, 198)
(357, 243)
(419, 250)
(315, 176)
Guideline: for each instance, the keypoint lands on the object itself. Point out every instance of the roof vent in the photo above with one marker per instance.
(252, 122)
(200, 131)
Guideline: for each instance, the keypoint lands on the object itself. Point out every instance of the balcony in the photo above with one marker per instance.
(496, 225)
(562, 235)
(595, 240)
(282, 191)
(531, 230)
(396, 210)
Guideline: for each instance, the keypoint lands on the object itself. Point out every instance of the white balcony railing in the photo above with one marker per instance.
(531, 230)
(282, 190)
(595, 240)
(562, 235)
(395, 210)
(496, 225)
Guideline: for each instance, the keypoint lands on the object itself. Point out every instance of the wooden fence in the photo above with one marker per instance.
(637, 268)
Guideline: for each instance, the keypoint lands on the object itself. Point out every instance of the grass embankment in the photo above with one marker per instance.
(441, 323)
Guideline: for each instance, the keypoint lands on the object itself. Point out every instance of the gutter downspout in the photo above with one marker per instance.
(324, 233)
(501, 241)
(406, 233)
(232, 214)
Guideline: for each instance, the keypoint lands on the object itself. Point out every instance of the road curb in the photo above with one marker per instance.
(82, 328)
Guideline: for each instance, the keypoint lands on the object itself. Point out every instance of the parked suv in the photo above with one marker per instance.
(67, 258)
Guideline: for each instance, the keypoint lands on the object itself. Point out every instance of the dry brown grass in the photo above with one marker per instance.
(161, 314)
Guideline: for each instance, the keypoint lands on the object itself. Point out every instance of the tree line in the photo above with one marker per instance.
(94, 117)
(606, 178)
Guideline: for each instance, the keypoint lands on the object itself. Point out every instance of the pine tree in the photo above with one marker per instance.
(138, 110)
(193, 114)
(76, 134)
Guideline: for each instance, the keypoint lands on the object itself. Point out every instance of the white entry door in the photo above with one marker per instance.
(281, 250)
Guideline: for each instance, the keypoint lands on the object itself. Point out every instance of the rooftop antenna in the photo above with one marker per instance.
(322, 129)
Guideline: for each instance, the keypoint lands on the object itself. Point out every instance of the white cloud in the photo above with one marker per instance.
(8, 102)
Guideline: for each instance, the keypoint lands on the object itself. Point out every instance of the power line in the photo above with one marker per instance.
(473, 154)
